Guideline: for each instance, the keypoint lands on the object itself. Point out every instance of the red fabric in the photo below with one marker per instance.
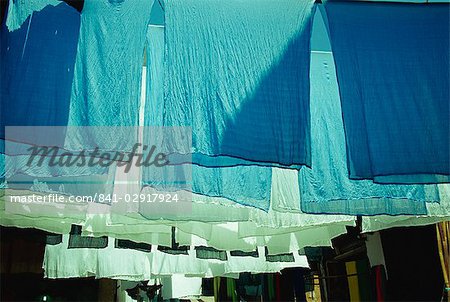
(278, 287)
(379, 283)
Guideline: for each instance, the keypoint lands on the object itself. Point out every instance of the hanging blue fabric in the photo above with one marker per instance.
(326, 187)
(237, 72)
(392, 62)
(37, 68)
(37, 71)
(19, 11)
(248, 185)
(107, 82)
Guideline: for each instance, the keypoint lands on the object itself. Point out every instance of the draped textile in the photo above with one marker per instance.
(37, 68)
(236, 72)
(108, 71)
(436, 212)
(36, 74)
(127, 263)
(19, 11)
(326, 187)
(246, 185)
(392, 62)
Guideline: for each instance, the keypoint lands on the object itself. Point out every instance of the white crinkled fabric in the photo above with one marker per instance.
(134, 265)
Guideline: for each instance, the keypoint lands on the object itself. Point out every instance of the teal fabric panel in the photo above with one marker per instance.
(237, 72)
(20, 11)
(248, 185)
(108, 70)
(326, 188)
(37, 71)
(392, 62)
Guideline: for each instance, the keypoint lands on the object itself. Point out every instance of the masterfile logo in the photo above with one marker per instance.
(148, 169)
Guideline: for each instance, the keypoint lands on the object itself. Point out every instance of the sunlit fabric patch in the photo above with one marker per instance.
(237, 73)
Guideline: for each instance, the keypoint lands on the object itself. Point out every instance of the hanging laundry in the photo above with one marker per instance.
(379, 280)
(236, 72)
(76, 240)
(178, 286)
(326, 187)
(37, 72)
(392, 62)
(37, 67)
(249, 286)
(108, 70)
(204, 252)
(287, 257)
(248, 185)
(436, 212)
(19, 11)
(102, 258)
(285, 191)
(292, 284)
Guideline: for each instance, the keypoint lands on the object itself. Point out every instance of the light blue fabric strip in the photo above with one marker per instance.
(246, 185)
(326, 187)
(108, 70)
(237, 72)
(392, 63)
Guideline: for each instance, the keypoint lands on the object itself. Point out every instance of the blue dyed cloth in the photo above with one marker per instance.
(37, 68)
(19, 11)
(326, 187)
(248, 185)
(392, 63)
(107, 82)
(237, 72)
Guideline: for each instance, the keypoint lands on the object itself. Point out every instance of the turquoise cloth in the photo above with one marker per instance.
(108, 69)
(237, 72)
(37, 68)
(248, 185)
(20, 11)
(392, 62)
(326, 187)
